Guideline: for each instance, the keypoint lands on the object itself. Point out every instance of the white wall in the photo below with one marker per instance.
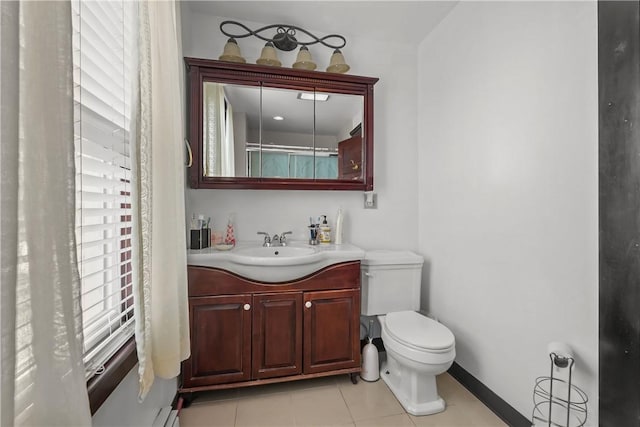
(123, 409)
(394, 223)
(508, 195)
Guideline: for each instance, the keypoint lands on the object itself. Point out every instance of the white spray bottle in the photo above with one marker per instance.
(339, 227)
(370, 364)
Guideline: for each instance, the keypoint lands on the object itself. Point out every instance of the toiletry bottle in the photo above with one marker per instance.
(325, 231)
(337, 236)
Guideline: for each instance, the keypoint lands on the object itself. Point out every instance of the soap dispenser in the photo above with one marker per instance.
(325, 231)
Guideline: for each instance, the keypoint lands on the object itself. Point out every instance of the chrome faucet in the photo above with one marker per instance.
(283, 238)
(276, 240)
(267, 239)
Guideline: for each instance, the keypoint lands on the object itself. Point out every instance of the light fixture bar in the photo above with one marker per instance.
(284, 39)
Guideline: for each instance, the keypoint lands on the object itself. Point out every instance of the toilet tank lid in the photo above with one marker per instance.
(388, 257)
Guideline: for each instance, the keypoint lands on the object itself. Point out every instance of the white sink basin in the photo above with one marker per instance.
(276, 251)
(274, 264)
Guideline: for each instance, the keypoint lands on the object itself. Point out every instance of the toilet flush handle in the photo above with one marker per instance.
(369, 274)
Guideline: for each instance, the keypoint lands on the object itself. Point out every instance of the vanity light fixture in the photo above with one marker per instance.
(231, 52)
(269, 56)
(310, 96)
(303, 60)
(285, 39)
(278, 118)
(337, 63)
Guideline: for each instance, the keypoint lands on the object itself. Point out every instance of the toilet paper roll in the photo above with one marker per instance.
(562, 351)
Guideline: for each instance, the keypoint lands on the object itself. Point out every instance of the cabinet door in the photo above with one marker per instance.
(220, 340)
(331, 330)
(350, 158)
(277, 334)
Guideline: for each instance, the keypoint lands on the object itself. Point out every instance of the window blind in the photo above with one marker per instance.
(103, 48)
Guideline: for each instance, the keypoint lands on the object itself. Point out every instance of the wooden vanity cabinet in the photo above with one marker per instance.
(246, 333)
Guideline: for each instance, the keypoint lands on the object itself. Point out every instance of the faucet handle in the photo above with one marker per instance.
(267, 239)
(283, 238)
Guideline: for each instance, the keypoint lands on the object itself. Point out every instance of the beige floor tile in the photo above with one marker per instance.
(452, 416)
(331, 401)
(392, 421)
(483, 416)
(215, 396)
(287, 387)
(343, 380)
(466, 414)
(321, 407)
(370, 400)
(217, 414)
(452, 391)
(268, 410)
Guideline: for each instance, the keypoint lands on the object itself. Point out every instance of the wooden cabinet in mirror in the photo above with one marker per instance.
(261, 127)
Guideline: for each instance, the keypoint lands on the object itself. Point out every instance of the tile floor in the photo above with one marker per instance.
(331, 401)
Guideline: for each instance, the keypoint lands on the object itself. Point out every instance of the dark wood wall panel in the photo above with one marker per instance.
(619, 182)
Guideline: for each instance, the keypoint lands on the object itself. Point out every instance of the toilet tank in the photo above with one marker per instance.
(390, 282)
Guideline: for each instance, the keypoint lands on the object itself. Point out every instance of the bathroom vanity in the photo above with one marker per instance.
(248, 331)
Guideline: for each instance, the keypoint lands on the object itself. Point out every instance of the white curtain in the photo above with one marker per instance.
(43, 380)
(227, 149)
(217, 135)
(160, 274)
(212, 134)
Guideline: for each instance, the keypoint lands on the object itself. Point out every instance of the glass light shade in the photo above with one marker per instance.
(337, 63)
(269, 56)
(231, 52)
(304, 60)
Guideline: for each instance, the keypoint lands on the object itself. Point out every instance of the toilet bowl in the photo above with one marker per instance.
(418, 348)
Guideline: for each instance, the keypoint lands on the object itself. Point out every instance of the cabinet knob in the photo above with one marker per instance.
(247, 306)
(307, 304)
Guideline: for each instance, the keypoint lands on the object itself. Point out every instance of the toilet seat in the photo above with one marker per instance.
(419, 332)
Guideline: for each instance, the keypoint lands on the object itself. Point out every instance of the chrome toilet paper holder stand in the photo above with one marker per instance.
(558, 402)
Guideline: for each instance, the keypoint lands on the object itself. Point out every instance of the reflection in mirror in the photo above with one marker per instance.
(339, 119)
(287, 135)
(294, 134)
(229, 113)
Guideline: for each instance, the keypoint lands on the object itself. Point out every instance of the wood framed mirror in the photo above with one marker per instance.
(261, 127)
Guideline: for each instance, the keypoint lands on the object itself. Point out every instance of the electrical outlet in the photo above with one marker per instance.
(370, 200)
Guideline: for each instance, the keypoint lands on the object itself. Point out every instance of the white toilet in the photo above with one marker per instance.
(418, 348)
